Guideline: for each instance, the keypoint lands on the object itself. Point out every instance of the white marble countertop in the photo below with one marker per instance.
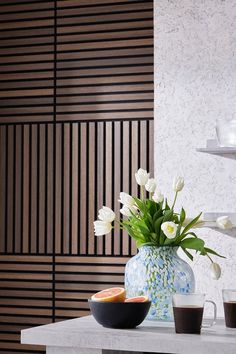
(150, 336)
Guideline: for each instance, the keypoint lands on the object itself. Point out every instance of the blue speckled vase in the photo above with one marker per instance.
(158, 272)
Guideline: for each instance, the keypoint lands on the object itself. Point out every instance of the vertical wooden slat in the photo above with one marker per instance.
(83, 189)
(18, 189)
(126, 177)
(66, 190)
(108, 179)
(10, 184)
(74, 182)
(117, 177)
(143, 142)
(42, 186)
(3, 158)
(135, 167)
(90, 190)
(58, 205)
(50, 195)
(100, 179)
(33, 191)
(26, 149)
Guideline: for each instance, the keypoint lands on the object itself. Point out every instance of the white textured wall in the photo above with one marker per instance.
(195, 83)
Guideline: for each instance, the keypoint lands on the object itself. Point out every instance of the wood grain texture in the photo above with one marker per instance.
(81, 96)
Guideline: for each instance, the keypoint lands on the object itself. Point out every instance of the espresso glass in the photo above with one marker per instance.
(229, 299)
(188, 312)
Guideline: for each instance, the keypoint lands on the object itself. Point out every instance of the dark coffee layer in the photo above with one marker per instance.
(188, 319)
(230, 314)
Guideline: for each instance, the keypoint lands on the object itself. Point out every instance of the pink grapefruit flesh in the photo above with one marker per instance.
(137, 299)
(110, 295)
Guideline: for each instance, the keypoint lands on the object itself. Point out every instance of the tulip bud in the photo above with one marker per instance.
(141, 177)
(102, 227)
(106, 214)
(151, 185)
(158, 197)
(126, 199)
(128, 210)
(224, 223)
(215, 271)
(178, 184)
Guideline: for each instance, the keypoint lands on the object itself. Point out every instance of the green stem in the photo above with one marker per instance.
(176, 193)
(142, 193)
(209, 258)
(150, 195)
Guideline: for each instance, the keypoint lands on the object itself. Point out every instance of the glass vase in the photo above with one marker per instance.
(158, 272)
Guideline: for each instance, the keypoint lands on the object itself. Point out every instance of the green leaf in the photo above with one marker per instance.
(157, 228)
(168, 215)
(157, 214)
(182, 215)
(187, 253)
(191, 224)
(141, 243)
(166, 205)
(140, 204)
(193, 243)
(152, 207)
(209, 250)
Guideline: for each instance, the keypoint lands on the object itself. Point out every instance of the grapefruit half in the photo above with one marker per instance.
(110, 295)
(137, 299)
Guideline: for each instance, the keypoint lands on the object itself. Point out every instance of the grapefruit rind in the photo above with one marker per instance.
(110, 295)
(137, 299)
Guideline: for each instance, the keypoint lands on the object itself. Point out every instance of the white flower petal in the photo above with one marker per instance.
(106, 214)
(127, 211)
(158, 197)
(215, 271)
(141, 177)
(102, 227)
(126, 199)
(151, 185)
(169, 229)
(178, 184)
(224, 223)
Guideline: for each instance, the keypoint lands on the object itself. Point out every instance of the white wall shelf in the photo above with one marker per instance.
(212, 147)
(212, 216)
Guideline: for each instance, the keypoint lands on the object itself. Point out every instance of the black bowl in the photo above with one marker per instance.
(119, 314)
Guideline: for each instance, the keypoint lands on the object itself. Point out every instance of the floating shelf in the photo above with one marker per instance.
(213, 148)
(212, 224)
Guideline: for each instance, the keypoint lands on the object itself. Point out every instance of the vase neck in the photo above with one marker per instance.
(158, 250)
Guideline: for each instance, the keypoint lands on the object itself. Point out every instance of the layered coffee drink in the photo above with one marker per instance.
(230, 314)
(188, 319)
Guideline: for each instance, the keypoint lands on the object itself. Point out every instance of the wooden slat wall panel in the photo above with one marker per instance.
(25, 298)
(26, 61)
(77, 278)
(116, 61)
(76, 121)
(93, 162)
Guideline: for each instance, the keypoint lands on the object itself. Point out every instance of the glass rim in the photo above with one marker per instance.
(231, 290)
(191, 294)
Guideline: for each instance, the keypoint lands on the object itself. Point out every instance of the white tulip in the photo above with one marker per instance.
(126, 199)
(141, 177)
(102, 227)
(151, 185)
(215, 271)
(106, 214)
(169, 228)
(178, 184)
(158, 197)
(128, 210)
(224, 223)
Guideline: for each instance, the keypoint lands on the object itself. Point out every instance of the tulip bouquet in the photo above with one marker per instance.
(153, 221)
